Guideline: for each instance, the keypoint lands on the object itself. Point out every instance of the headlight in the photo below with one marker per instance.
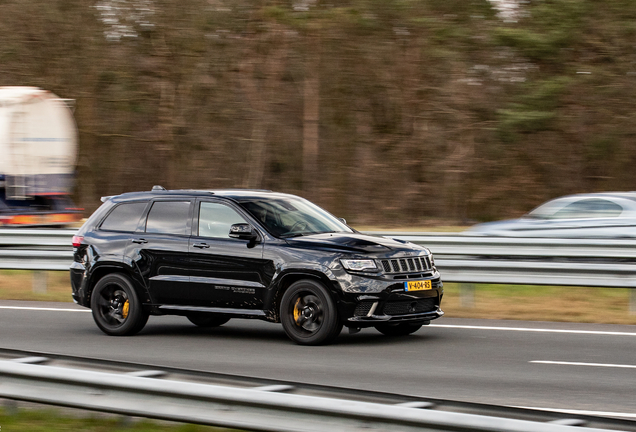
(432, 259)
(358, 265)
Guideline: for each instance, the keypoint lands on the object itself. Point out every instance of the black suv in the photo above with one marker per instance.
(215, 255)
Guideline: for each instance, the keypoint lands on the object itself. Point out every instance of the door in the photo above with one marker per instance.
(225, 272)
(159, 250)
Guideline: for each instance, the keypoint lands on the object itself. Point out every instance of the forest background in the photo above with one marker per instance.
(385, 112)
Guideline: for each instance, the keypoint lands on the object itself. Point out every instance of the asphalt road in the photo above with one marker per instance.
(565, 366)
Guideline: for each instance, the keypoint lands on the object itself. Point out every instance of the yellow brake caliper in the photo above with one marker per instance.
(297, 311)
(125, 309)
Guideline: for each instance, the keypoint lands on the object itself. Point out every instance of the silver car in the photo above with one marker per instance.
(607, 214)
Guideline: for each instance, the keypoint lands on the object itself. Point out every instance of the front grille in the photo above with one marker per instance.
(410, 307)
(363, 308)
(407, 265)
(387, 266)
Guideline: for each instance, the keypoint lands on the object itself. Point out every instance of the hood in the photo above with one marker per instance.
(352, 243)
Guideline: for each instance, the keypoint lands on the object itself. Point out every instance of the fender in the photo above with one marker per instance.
(102, 267)
(287, 274)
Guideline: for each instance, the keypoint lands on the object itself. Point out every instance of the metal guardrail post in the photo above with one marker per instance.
(632, 301)
(40, 279)
(467, 295)
(10, 407)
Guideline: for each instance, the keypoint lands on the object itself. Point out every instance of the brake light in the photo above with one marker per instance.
(77, 241)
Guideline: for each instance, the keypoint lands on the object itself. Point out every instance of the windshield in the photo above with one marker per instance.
(547, 210)
(291, 217)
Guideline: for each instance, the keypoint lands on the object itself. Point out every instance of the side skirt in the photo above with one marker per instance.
(234, 313)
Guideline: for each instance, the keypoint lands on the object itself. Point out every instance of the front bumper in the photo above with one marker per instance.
(392, 304)
(371, 320)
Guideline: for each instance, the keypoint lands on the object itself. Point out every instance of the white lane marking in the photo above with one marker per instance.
(607, 365)
(44, 309)
(581, 412)
(538, 330)
(521, 329)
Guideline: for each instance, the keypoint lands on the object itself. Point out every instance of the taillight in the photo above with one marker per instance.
(77, 241)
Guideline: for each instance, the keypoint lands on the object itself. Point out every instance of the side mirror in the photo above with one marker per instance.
(343, 220)
(243, 231)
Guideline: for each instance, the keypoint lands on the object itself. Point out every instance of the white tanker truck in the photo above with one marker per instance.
(38, 152)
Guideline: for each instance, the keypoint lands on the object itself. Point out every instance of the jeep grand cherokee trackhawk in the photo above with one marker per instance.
(215, 255)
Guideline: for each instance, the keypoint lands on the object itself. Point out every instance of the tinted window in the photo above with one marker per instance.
(589, 208)
(215, 220)
(168, 217)
(291, 217)
(125, 217)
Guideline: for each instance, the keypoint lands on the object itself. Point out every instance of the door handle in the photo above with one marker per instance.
(201, 245)
(140, 241)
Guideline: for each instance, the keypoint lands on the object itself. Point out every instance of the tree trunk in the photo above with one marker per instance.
(311, 118)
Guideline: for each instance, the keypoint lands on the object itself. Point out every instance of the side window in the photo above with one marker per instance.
(124, 217)
(215, 220)
(168, 217)
(589, 208)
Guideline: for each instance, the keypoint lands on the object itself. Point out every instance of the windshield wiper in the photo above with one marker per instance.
(292, 235)
(302, 234)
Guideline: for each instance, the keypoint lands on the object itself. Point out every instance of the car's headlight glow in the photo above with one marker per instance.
(358, 264)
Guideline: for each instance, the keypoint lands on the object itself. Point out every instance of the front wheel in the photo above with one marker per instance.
(308, 313)
(116, 308)
(207, 320)
(401, 329)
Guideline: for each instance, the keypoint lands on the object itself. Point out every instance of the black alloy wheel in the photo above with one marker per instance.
(308, 313)
(401, 329)
(207, 320)
(116, 308)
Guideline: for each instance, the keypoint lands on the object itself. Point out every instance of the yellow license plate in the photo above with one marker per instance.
(417, 285)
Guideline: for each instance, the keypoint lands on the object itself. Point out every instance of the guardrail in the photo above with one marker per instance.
(532, 261)
(466, 259)
(254, 409)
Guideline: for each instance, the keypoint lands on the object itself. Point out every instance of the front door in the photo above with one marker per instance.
(225, 272)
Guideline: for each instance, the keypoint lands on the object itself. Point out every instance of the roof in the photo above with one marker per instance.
(235, 194)
(19, 94)
(626, 195)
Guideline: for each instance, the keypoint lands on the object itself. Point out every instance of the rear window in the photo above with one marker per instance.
(168, 217)
(124, 217)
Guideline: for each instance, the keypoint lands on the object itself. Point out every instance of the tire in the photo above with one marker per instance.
(401, 329)
(108, 303)
(308, 313)
(207, 320)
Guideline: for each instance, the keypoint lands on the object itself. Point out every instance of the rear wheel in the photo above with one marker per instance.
(116, 308)
(401, 329)
(308, 313)
(207, 320)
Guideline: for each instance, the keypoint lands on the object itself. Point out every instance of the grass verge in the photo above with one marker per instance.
(18, 285)
(516, 302)
(52, 420)
(540, 303)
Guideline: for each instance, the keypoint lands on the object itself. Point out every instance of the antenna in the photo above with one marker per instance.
(158, 188)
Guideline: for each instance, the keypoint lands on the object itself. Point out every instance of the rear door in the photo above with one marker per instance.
(159, 249)
(225, 272)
